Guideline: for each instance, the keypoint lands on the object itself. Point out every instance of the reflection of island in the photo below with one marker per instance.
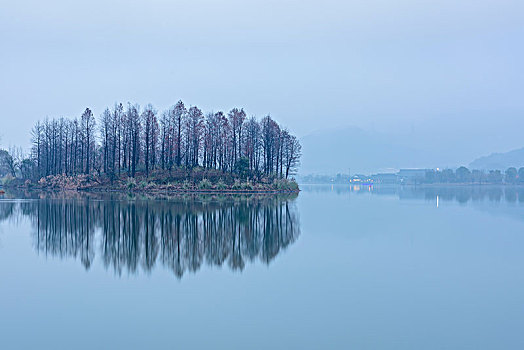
(181, 234)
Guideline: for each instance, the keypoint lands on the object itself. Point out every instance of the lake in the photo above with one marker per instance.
(332, 268)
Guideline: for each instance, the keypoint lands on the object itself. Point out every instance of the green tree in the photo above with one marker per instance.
(495, 176)
(521, 174)
(28, 169)
(477, 176)
(242, 167)
(463, 174)
(447, 175)
(511, 175)
(7, 164)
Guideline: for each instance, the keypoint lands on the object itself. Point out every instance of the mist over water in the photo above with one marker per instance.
(364, 266)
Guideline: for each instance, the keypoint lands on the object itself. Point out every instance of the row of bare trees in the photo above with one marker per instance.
(127, 140)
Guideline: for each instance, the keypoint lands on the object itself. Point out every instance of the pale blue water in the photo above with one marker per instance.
(364, 269)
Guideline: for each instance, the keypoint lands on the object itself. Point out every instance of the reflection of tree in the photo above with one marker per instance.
(63, 229)
(7, 210)
(181, 234)
(460, 194)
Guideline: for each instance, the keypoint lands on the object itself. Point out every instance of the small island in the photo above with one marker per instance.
(141, 150)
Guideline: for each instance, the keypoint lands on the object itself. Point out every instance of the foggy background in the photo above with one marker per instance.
(367, 85)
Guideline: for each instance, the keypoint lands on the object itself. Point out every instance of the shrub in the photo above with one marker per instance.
(260, 187)
(246, 186)
(221, 185)
(7, 180)
(131, 183)
(277, 184)
(285, 185)
(186, 185)
(204, 184)
(292, 185)
(236, 185)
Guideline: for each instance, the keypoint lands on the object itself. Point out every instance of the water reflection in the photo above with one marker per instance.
(182, 234)
(460, 194)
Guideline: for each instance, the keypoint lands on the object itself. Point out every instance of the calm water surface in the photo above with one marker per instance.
(341, 268)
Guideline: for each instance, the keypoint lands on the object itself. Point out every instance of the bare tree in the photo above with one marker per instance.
(131, 142)
(178, 115)
(150, 136)
(88, 129)
(292, 150)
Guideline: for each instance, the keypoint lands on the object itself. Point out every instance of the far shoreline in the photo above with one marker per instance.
(440, 184)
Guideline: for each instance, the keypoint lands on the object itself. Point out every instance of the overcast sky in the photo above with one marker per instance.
(447, 66)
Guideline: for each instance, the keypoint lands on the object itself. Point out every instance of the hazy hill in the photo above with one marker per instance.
(338, 150)
(332, 151)
(500, 161)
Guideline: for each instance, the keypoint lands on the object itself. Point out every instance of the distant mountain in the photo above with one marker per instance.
(500, 161)
(338, 150)
(332, 151)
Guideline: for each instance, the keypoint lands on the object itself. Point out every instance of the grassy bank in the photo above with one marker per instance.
(157, 183)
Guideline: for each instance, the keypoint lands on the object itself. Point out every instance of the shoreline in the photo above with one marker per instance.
(101, 193)
(149, 191)
(174, 191)
(442, 184)
(154, 185)
(5, 189)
